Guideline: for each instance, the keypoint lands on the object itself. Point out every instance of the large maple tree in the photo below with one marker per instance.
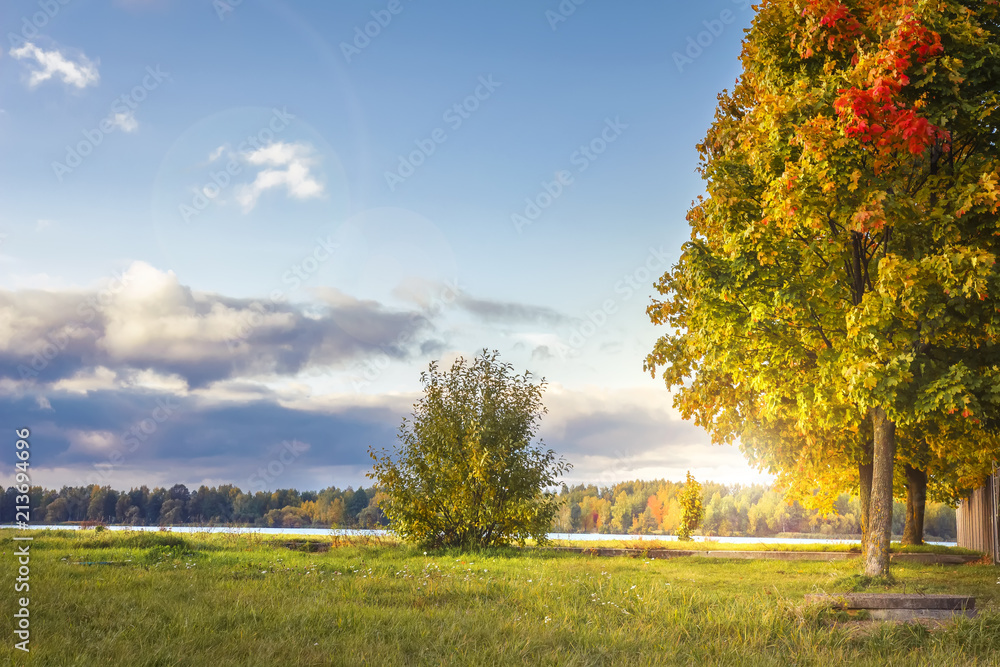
(839, 285)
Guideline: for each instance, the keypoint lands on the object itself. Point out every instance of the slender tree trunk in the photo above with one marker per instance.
(865, 486)
(876, 557)
(865, 491)
(916, 499)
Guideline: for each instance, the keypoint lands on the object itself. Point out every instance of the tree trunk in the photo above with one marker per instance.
(865, 486)
(876, 557)
(865, 490)
(916, 499)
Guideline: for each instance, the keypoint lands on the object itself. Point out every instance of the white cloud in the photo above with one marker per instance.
(91, 379)
(126, 121)
(277, 154)
(155, 315)
(80, 72)
(214, 155)
(91, 442)
(287, 165)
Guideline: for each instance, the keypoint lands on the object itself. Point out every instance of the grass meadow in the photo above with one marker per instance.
(218, 600)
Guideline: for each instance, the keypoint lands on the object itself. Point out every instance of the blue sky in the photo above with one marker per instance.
(231, 226)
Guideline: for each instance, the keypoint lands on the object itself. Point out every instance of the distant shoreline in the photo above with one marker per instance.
(786, 538)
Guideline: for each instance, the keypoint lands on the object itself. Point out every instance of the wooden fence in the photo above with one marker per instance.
(977, 519)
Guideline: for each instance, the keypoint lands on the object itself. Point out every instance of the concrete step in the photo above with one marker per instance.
(900, 606)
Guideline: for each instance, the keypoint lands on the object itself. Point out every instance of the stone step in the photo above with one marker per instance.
(900, 606)
(933, 559)
(895, 601)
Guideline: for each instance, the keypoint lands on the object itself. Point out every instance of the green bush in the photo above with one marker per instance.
(467, 473)
(691, 509)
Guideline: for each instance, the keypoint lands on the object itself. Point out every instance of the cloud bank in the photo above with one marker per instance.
(147, 320)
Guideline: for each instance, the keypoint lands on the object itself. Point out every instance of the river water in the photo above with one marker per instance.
(576, 537)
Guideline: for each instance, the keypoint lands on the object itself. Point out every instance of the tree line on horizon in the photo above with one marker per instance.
(224, 504)
(631, 507)
(756, 510)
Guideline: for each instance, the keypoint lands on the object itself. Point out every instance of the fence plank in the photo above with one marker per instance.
(976, 519)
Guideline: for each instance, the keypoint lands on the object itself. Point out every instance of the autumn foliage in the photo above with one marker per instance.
(834, 310)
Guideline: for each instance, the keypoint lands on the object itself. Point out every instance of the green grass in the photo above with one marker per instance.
(219, 600)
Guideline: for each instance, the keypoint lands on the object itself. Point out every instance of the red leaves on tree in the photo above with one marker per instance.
(873, 115)
(835, 18)
(914, 37)
(875, 111)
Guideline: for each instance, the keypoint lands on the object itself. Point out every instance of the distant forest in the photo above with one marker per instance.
(636, 507)
(643, 507)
